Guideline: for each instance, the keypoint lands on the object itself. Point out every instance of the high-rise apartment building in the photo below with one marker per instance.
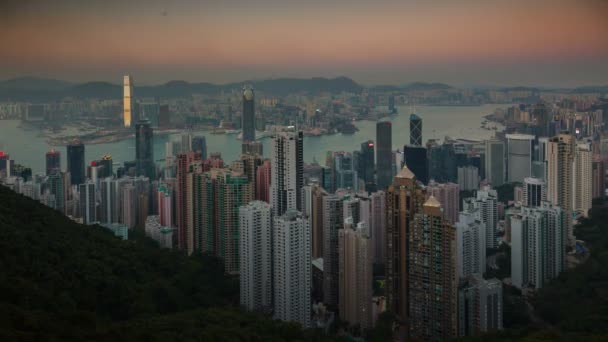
(432, 286)
(520, 148)
(561, 152)
(404, 198)
(384, 155)
(486, 203)
(538, 245)
(182, 163)
(598, 177)
(128, 101)
(75, 152)
(448, 194)
(317, 220)
(248, 118)
(287, 171)
(535, 192)
(262, 182)
(355, 275)
(415, 131)
(199, 144)
(583, 181)
(468, 178)
(366, 165)
(88, 203)
(378, 226)
(470, 245)
(255, 252)
(144, 150)
(333, 221)
(292, 268)
(480, 306)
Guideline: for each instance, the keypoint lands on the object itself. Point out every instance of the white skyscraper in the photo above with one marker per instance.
(538, 251)
(582, 182)
(255, 244)
(88, 204)
(287, 171)
(519, 157)
(535, 192)
(292, 268)
(470, 244)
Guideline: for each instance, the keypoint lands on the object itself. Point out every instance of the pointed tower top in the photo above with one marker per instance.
(405, 173)
(432, 202)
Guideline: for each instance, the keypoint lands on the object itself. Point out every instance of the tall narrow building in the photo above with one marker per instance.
(416, 160)
(365, 169)
(480, 306)
(182, 162)
(495, 162)
(292, 268)
(355, 275)
(378, 226)
(53, 161)
(76, 162)
(88, 203)
(485, 207)
(128, 104)
(583, 181)
(560, 176)
(404, 198)
(415, 130)
(248, 118)
(384, 154)
(333, 221)
(287, 171)
(471, 245)
(432, 283)
(255, 253)
(144, 150)
(535, 192)
(520, 148)
(448, 194)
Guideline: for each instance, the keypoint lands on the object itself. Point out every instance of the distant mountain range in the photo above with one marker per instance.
(35, 89)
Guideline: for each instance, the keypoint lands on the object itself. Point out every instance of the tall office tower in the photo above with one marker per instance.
(186, 142)
(519, 157)
(416, 160)
(470, 245)
(598, 178)
(144, 150)
(366, 165)
(128, 101)
(404, 198)
(538, 252)
(432, 283)
(57, 183)
(76, 162)
(480, 306)
(355, 275)
(106, 164)
(316, 220)
(183, 161)
(486, 203)
(88, 205)
(448, 194)
(252, 147)
(583, 181)
(199, 144)
(128, 201)
(287, 171)
(346, 173)
(53, 161)
(255, 250)
(292, 268)
(384, 155)
(560, 176)
(262, 182)
(250, 164)
(535, 192)
(199, 209)
(333, 221)
(468, 178)
(4, 162)
(248, 118)
(378, 226)
(109, 193)
(415, 131)
(165, 206)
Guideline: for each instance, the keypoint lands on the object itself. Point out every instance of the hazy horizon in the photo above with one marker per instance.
(560, 43)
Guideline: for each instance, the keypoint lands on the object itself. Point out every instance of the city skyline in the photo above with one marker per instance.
(465, 43)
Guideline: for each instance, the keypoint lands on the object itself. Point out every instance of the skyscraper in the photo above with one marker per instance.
(183, 161)
(448, 194)
(560, 176)
(355, 275)
(333, 221)
(404, 198)
(255, 252)
(384, 155)
(317, 220)
(128, 106)
(88, 205)
(468, 178)
(470, 245)
(519, 157)
(432, 283)
(144, 150)
(262, 182)
(415, 130)
(53, 162)
(199, 144)
(345, 171)
(248, 118)
(416, 160)
(378, 226)
(76, 162)
(535, 192)
(366, 165)
(292, 268)
(480, 306)
(486, 209)
(583, 182)
(287, 171)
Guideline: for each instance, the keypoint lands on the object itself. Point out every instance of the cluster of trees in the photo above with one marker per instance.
(64, 281)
